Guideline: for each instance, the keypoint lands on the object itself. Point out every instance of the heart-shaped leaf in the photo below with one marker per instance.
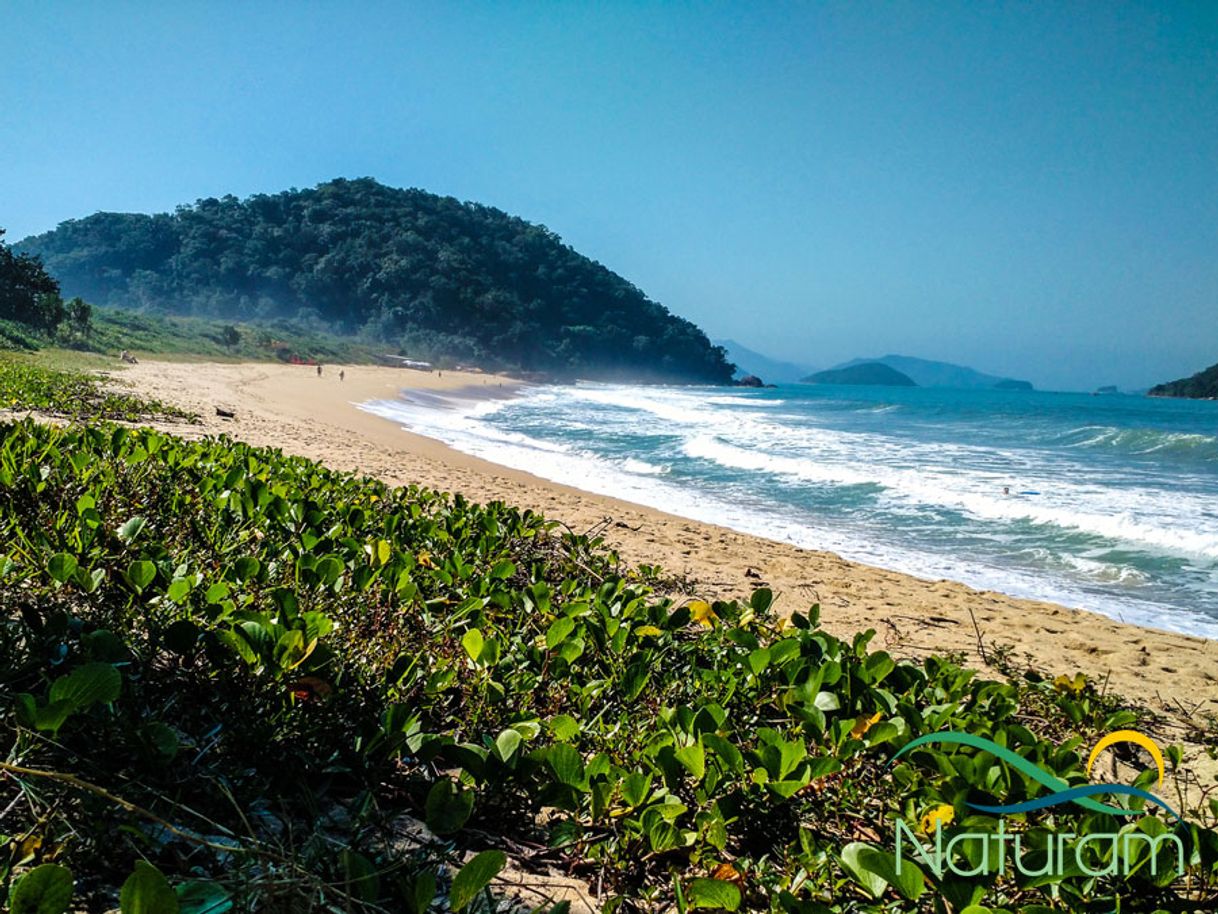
(46, 889)
(475, 876)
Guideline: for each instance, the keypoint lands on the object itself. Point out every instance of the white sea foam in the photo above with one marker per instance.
(729, 460)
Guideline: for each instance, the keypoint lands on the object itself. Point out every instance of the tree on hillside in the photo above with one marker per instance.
(28, 294)
(230, 336)
(80, 316)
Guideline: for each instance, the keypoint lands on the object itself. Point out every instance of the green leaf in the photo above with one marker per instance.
(130, 530)
(161, 738)
(873, 883)
(328, 570)
(506, 744)
(761, 599)
(504, 569)
(472, 641)
(874, 869)
(87, 685)
(877, 666)
(558, 631)
(635, 788)
(292, 649)
(827, 701)
(147, 891)
(728, 753)
(383, 552)
(239, 645)
(759, 660)
(567, 763)
(637, 675)
(216, 593)
(46, 889)
(694, 759)
(61, 567)
(475, 876)
(448, 807)
(246, 567)
(424, 892)
(360, 875)
(178, 589)
(564, 727)
(141, 574)
(203, 897)
(714, 893)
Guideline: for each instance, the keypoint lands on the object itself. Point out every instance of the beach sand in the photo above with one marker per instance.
(291, 408)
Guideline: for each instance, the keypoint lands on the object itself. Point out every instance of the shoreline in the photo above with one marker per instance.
(291, 408)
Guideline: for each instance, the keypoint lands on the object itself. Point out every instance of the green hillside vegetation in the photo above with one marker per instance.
(34, 317)
(164, 336)
(32, 310)
(876, 373)
(429, 274)
(226, 674)
(1201, 386)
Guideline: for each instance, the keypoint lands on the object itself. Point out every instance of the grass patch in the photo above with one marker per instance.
(184, 338)
(166, 336)
(244, 668)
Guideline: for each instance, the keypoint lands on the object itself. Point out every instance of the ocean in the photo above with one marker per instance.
(1112, 504)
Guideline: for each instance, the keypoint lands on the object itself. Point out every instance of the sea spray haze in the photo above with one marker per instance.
(1124, 522)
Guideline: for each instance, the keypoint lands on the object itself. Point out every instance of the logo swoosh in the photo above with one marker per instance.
(1073, 794)
(1062, 792)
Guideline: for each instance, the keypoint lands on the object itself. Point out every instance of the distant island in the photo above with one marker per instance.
(431, 276)
(929, 373)
(750, 362)
(873, 373)
(1201, 386)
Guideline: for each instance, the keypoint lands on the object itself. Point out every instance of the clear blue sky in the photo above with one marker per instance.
(1031, 189)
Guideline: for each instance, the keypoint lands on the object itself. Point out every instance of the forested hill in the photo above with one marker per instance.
(429, 274)
(1202, 385)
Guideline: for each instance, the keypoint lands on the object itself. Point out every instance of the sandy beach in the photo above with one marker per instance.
(290, 407)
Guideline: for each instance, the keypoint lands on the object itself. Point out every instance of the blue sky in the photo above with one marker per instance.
(1031, 189)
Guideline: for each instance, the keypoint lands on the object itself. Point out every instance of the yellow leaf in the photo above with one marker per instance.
(725, 872)
(424, 559)
(939, 816)
(648, 631)
(701, 611)
(28, 848)
(383, 552)
(863, 723)
(1066, 684)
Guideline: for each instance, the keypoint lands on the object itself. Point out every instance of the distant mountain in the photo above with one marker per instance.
(431, 276)
(749, 361)
(929, 373)
(1201, 386)
(876, 373)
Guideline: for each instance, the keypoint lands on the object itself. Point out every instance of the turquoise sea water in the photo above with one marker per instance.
(1124, 520)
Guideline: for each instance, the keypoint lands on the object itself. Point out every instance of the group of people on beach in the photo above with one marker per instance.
(342, 372)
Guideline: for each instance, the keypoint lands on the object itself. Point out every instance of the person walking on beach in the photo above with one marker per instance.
(319, 370)
(342, 374)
